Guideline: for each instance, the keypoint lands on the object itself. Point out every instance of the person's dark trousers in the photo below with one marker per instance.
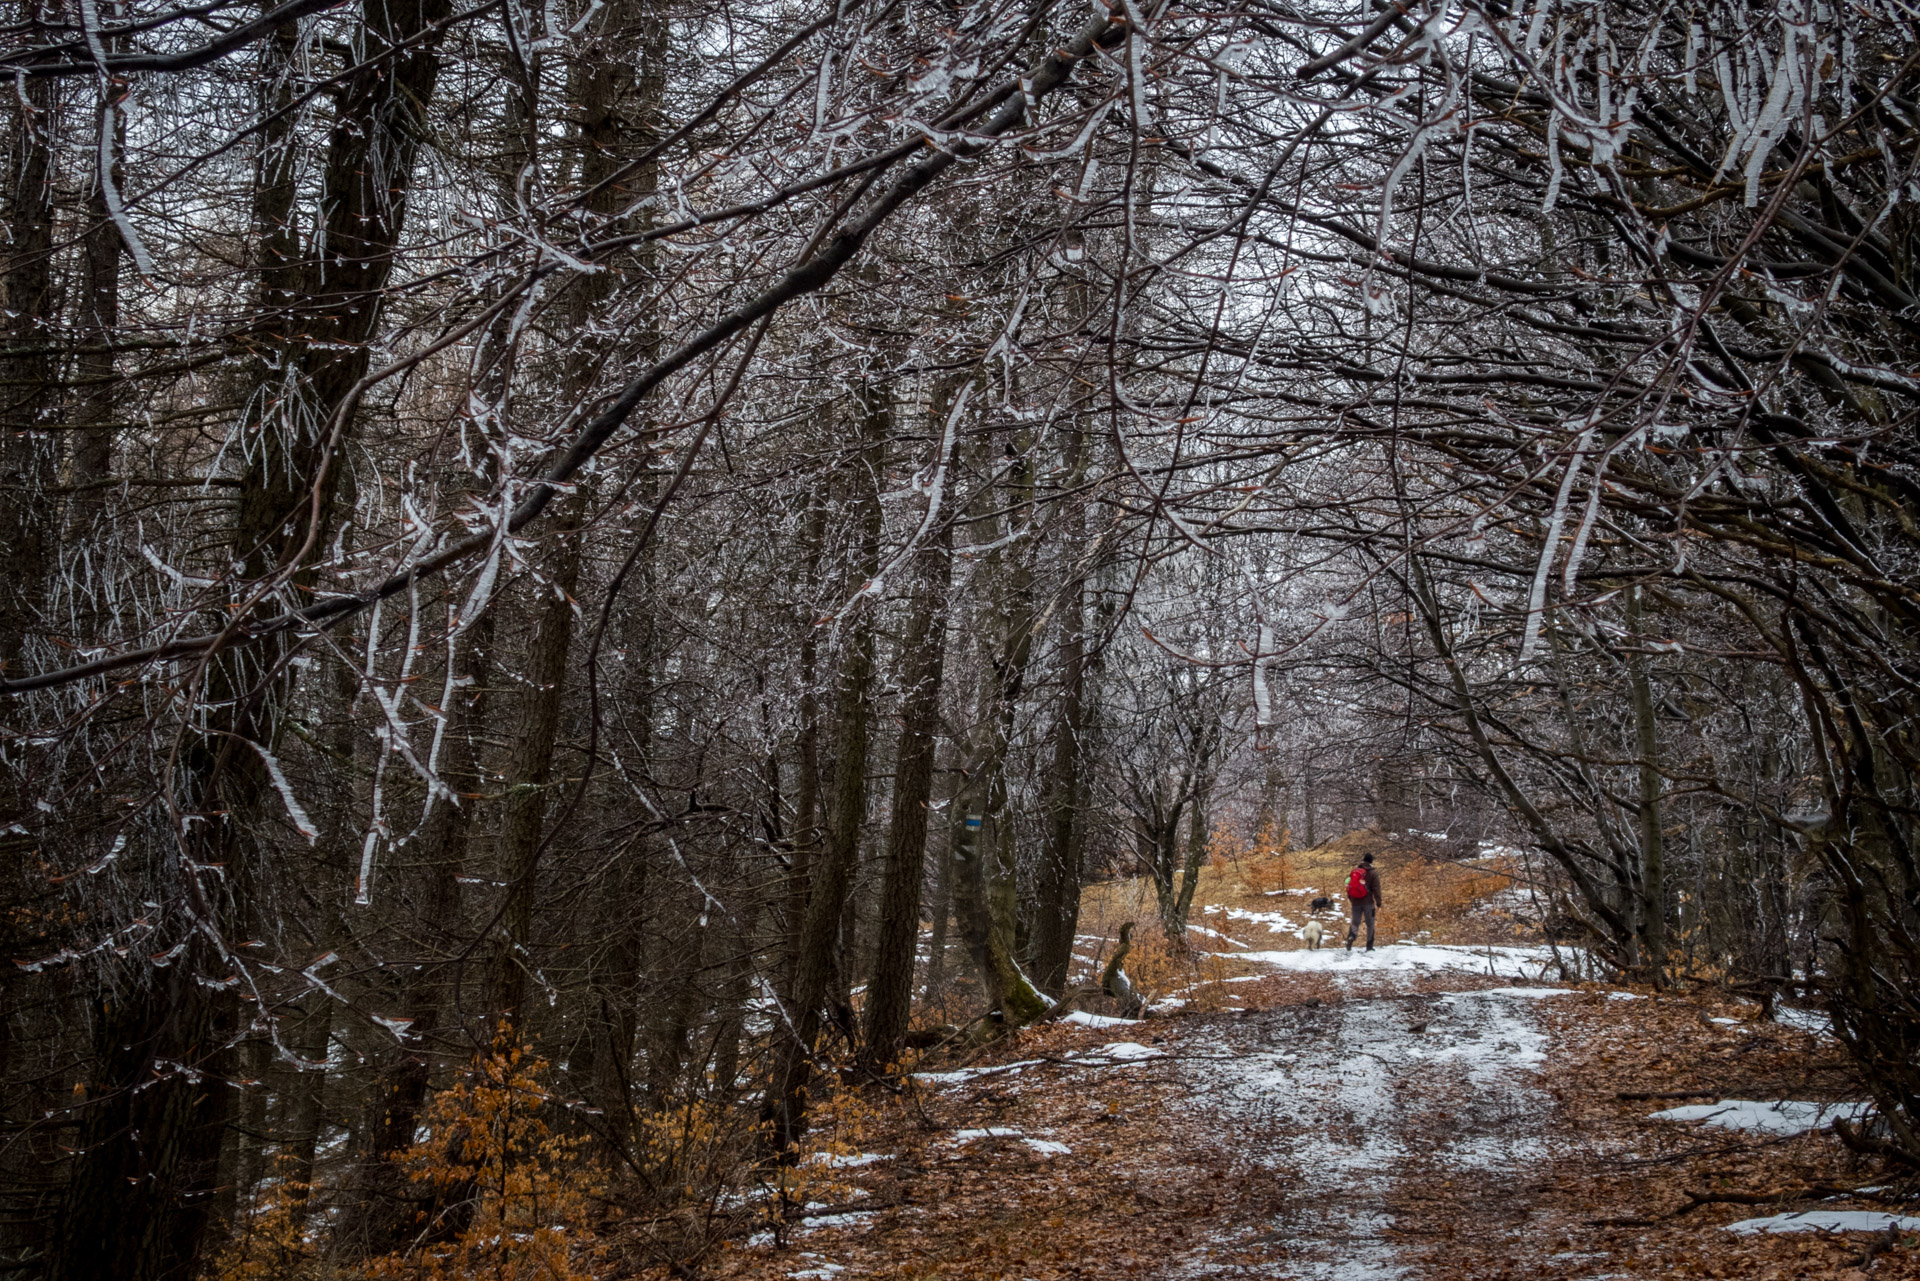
(1362, 911)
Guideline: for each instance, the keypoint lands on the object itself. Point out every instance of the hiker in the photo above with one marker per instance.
(1363, 891)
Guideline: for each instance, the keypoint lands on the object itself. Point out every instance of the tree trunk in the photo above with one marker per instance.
(890, 990)
(95, 405)
(1197, 850)
(832, 878)
(530, 769)
(806, 819)
(1653, 859)
(1057, 909)
(942, 913)
(28, 460)
(138, 1200)
(28, 456)
(985, 863)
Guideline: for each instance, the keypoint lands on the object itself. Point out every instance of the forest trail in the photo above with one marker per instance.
(1393, 1117)
(1359, 1107)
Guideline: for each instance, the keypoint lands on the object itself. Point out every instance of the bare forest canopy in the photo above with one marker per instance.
(584, 527)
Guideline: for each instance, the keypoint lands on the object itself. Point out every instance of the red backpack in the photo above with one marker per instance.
(1357, 882)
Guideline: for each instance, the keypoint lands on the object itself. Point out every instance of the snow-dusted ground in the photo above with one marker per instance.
(1498, 962)
(1827, 1221)
(1783, 1117)
(1346, 1103)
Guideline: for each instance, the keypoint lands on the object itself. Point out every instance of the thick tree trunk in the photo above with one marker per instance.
(28, 450)
(138, 1201)
(151, 1147)
(924, 648)
(96, 398)
(28, 459)
(1057, 894)
(984, 860)
(832, 878)
(806, 819)
(529, 779)
(1652, 912)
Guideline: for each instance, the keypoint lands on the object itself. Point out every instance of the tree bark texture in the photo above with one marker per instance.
(923, 664)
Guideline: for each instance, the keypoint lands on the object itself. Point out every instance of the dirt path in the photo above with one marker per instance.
(1390, 1118)
(1360, 1109)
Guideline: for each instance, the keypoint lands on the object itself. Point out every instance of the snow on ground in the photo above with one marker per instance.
(1814, 1021)
(1045, 1147)
(1117, 1052)
(1827, 1221)
(1499, 962)
(1339, 1102)
(1085, 1019)
(1784, 1117)
(1215, 934)
(1276, 922)
(845, 1219)
(847, 1160)
(960, 1076)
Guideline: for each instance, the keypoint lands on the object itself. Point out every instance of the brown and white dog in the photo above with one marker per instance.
(1312, 935)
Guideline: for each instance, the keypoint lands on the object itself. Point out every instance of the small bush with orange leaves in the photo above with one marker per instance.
(1158, 969)
(273, 1239)
(840, 1124)
(509, 1194)
(1434, 895)
(1267, 875)
(1259, 864)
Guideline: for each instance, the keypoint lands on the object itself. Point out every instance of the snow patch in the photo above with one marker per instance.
(1784, 1117)
(1084, 1019)
(1045, 1147)
(1827, 1221)
(960, 1076)
(1276, 922)
(1813, 1021)
(1216, 934)
(1498, 962)
(1123, 1052)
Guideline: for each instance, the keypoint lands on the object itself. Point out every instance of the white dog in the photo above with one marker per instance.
(1312, 935)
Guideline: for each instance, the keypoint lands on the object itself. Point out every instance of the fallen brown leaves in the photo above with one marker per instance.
(1060, 1170)
(1654, 1197)
(1145, 1189)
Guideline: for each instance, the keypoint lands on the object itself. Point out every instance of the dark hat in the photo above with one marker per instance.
(1366, 858)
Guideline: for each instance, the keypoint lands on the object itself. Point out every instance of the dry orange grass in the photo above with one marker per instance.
(1435, 897)
(1426, 896)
